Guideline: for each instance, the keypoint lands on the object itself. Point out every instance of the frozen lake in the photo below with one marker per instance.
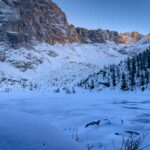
(119, 115)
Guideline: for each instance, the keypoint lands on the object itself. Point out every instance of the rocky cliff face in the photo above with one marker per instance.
(129, 37)
(23, 20)
(96, 36)
(101, 36)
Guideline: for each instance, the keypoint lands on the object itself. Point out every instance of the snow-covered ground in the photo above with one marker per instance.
(120, 115)
(52, 66)
(47, 67)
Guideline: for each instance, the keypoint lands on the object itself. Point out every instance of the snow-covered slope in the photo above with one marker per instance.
(47, 67)
(131, 74)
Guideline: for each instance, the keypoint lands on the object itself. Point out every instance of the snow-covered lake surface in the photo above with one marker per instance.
(120, 115)
(22, 131)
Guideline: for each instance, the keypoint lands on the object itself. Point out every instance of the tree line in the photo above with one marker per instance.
(130, 74)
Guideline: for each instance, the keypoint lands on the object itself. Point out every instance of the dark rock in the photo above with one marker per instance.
(132, 132)
(93, 123)
(16, 39)
(117, 133)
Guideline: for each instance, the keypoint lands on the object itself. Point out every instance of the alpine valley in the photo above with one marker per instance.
(87, 83)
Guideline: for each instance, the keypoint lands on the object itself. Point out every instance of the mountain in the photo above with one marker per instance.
(41, 51)
(24, 20)
(21, 22)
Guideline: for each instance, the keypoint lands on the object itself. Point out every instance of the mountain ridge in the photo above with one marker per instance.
(22, 22)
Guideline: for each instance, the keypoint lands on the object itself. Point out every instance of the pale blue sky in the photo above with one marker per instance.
(119, 15)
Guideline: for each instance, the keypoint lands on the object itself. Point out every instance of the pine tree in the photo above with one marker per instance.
(132, 74)
(92, 86)
(124, 83)
(142, 82)
(128, 65)
(147, 78)
(73, 90)
(118, 75)
(113, 76)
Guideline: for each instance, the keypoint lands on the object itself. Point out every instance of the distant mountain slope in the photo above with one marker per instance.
(131, 74)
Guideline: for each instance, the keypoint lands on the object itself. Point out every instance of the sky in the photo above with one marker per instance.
(118, 15)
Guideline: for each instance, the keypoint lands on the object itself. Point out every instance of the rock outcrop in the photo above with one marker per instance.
(96, 36)
(24, 20)
(126, 38)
